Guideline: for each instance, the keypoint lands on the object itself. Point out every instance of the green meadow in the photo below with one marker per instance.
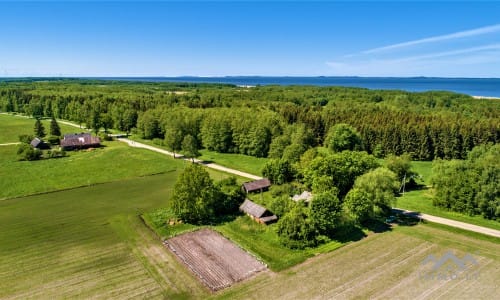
(421, 200)
(241, 162)
(114, 161)
(11, 126)
(89, 242)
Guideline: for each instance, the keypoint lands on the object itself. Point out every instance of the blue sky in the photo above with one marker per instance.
(173, 38)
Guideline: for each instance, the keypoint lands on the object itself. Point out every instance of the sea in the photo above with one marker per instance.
(486, 87)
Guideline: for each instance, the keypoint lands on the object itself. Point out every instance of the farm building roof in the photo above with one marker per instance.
(78, 140)
(256, 185)
(252, 208)
(36, 142)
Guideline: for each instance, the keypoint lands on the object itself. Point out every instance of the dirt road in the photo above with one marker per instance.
(452, 223)
(209, 165)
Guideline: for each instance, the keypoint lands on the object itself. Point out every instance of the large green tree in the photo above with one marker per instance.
(400, 165)
(469, 186)
(342, 137)
(55, 130)
(373, 194)
(338, 170)
(190, 147)
(296, 229)
(279, 171)
(325, 212)
(173, 139)
(194, 196)
(39, 130)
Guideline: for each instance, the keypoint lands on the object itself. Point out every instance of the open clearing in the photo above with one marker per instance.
(214, 259)
(90, 243)
(12, 126)
(386, 265)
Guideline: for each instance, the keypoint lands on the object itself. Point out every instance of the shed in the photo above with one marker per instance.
(257, 212)
(256, 185)
(305, 196)
(39, 144)
(79, 141)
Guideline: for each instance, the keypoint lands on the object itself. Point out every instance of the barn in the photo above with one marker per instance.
(79, 141)
(39, 144)
(257, 212)
(256, 185)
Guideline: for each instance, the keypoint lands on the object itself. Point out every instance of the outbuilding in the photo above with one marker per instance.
(260, 185)
(257, 212)
(39, 144)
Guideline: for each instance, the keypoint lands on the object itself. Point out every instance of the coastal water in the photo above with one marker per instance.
(489, 87)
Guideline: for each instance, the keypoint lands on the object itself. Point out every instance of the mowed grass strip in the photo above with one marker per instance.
(90, 243)
(112, 162)
(11, 126)
(245, 163)
(240, 162)
(380, 266)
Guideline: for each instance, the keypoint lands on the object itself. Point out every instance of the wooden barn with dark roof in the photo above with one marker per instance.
(257, 212)
(39, 144)
(256, 185)
(79, 141)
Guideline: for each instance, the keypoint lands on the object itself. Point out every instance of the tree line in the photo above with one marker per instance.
(264, 120)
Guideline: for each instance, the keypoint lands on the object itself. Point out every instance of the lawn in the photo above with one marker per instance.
(12, 126)
(245, 163)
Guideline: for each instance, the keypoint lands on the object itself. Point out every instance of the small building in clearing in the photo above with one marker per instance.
(256, 185)
(39, 144)
(79, 141)
(305, 196)
(257, 212)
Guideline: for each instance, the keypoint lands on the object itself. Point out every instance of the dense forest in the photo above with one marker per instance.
(266, 121)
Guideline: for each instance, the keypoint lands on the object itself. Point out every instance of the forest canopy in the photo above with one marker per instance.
(267, 121)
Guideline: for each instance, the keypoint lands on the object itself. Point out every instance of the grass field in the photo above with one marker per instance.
(245, 163)
(89, 242)
(13, 126)
(421, 201)
(387, 265)
(113, 162)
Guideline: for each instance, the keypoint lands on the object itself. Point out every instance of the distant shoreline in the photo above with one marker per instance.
(486, 97)
(479, 88)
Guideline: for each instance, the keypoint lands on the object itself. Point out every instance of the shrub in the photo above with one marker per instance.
(25, 138)
(26, 152)
(53, 140)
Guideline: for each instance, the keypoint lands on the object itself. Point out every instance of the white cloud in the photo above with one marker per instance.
(446, 37)
(459, 62)
(451, 55)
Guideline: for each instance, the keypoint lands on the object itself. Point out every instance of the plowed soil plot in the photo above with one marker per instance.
(214, 259)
